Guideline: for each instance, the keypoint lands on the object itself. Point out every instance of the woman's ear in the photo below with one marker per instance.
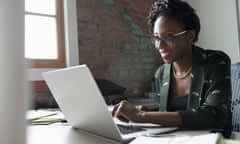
(191, 36)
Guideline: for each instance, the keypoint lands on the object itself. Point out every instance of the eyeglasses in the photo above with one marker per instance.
(167, 38)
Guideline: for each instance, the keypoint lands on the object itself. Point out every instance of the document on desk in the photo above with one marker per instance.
(230, 141)
(59, 117)
(43, 117)
(36, 114)
(213, 138)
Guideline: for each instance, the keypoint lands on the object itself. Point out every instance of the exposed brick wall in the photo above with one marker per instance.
(112, 41)
(137, 10)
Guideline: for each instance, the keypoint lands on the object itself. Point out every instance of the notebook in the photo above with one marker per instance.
(84, 107)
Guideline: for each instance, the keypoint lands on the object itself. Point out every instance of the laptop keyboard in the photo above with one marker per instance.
(128, 129)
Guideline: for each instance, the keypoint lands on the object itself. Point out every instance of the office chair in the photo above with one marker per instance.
(235, 104)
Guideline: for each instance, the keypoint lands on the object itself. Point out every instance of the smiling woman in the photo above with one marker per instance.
(193, 84)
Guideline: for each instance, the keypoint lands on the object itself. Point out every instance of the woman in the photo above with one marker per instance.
(194, 84)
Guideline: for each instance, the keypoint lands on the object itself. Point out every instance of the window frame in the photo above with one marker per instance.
(60, 62)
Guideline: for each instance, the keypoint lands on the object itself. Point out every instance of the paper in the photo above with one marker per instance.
(58, 117)
(229, 141)
(36, 114)
(162, 140)
(213, 138)
(43, 117)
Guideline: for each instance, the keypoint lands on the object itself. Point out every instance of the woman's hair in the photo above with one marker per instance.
(178, 10)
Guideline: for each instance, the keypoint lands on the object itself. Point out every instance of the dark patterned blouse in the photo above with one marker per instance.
(209, 99)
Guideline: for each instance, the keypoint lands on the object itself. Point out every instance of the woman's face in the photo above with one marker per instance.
(171, 39)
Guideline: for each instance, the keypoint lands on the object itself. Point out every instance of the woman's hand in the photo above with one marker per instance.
(125, 111)
(142, 108)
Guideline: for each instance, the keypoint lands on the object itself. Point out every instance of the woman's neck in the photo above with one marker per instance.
(183, 65)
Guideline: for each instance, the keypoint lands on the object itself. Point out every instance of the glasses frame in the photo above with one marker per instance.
(168, 38)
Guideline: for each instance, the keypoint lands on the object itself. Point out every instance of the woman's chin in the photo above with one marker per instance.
(167, 60)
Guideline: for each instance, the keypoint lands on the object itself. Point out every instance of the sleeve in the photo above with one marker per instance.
(214, 110)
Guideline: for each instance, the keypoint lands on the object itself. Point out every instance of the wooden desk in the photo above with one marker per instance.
(59, 134)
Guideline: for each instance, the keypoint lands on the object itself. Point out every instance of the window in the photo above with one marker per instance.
(44, 33)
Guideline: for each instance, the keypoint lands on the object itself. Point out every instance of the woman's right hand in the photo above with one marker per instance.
(125, 111)
(142, 108)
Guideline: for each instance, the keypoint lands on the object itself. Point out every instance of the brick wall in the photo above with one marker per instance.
(112, 41)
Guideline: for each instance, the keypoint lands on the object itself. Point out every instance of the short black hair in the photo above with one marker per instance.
(176, 9)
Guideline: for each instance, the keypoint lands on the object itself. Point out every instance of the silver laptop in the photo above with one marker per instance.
(80, 100)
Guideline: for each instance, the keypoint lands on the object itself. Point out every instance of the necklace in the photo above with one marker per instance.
(182, 76)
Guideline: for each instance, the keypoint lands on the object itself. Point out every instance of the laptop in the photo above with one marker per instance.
(84, 107)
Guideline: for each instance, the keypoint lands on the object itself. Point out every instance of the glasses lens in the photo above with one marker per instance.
(168, 39)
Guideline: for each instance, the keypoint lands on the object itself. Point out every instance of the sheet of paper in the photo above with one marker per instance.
(199, 139)
(36, 114)
(59, 117)
(160, 140)
(229, 141)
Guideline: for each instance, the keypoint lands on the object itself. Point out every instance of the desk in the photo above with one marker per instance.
(59, 134)
(50, 134)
